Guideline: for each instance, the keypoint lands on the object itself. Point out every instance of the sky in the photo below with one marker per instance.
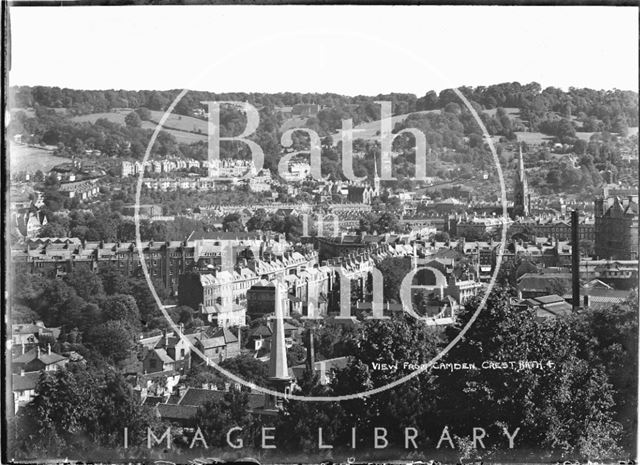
(351, 50)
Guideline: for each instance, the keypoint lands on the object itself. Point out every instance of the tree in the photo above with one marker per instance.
(334, 339)
(144, 113)
(442, 236)
(114, 282)
(121, 307)
(52, 230)
(260, 221)
(58, 304)
(87, 285)
(76, 409)
(565, 405)
(607, 336)
(388, 222)
(132, 120)
(232, 223)
(145, 300)
(247, 368)
(157, 101)
(216, 417)
(379, 223)
(305, 418)
(54, 419)
(393, 270)
(112, 339)
(296, 355)
(397, 340)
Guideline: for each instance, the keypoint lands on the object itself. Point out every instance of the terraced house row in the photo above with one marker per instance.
(166, 261)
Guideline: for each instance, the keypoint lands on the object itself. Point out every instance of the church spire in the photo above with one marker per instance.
(521, 188)
(376, 178)
(521, 164)
(278, 370)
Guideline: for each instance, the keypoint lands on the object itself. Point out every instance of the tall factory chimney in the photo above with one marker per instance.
(311, 356)
(575, 260)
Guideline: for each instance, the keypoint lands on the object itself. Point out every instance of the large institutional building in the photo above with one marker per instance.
(617, 228)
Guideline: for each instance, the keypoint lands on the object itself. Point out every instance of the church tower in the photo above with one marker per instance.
(521, 189)
(279, 379)
(376, 178)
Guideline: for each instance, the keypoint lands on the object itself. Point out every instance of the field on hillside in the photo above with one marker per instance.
(513, 113)
(29, 112)
(32, 159)
(116, 116)
(181, 136)
(293, 122)
(177, 125)
(370, 130)
(180, 122)
(585, 136)
(533, 137)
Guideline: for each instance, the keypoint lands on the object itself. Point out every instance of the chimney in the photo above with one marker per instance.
(278, 373)
(38, 351)
(310, 350)
(22, 347)
(49, 349)
(586, 301)
(21, 371)
(575, 260)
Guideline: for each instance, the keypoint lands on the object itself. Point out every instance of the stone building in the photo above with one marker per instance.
(616, 228)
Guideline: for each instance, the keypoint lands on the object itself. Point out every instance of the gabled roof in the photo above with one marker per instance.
(153, 400)
(25, 382)
(210, 342)
(226, 333)
(176, 412)
(47, 359)
(261, 331)
(25, 328)
(163, 356)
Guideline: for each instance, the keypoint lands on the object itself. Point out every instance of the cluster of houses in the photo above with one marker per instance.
(29, 359)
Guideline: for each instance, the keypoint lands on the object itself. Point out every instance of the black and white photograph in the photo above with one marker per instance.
(320, 234)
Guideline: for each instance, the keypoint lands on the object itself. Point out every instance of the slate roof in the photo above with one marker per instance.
(47, 359)
(549, 299)
(25, 382)
(176, 412)
(540, 282)
(153, 400)
(550, 306)
(226, 333)
(261, 331)
(553, 311)
(162, 355)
